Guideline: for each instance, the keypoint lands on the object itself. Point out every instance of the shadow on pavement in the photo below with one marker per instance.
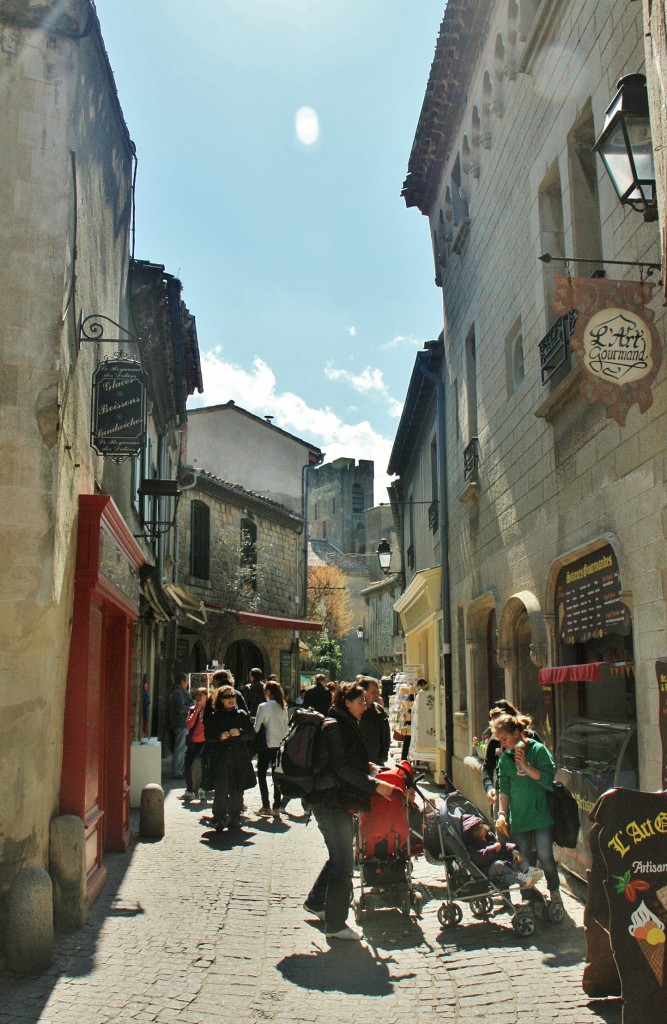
(346, 967)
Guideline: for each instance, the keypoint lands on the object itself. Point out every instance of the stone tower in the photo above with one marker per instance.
(340, 493)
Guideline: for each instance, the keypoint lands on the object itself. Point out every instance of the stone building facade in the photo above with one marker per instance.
(548, 479)
(340, 493)
(76, 632)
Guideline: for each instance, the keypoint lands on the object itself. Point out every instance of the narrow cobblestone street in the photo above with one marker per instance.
(200, 928)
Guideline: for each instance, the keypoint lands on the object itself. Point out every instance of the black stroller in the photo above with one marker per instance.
(465, 881)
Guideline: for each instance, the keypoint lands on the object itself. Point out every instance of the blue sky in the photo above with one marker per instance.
(273, 138)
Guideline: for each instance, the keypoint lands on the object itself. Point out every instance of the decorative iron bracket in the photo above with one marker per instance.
(91, 328)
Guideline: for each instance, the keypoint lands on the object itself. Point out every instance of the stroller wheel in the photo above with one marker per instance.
(482, 907)
(523, 924)
(450, 914)
(556, 912)
(417, 903)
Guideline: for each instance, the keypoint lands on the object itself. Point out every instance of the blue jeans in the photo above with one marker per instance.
(178, 755)
(332, 889)
(544, 844)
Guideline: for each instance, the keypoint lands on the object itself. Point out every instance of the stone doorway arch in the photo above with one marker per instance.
(241, 656)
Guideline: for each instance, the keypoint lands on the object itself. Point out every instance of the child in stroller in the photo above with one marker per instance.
(466, 880)
(500, 861)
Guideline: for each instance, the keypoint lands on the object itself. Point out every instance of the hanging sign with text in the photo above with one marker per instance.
(118, 417)
(588, 598)
(618, 350)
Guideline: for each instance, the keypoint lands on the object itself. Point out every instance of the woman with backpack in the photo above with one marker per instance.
(271, 717)
(227, 729)
(352, 786)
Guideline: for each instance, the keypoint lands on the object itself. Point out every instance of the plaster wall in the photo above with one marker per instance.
(549, 486)
(65, 171)
(243, 449)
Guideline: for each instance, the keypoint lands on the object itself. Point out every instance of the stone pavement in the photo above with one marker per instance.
(201, 928)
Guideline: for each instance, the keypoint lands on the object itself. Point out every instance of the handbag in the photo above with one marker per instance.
(258, 742)
(397, 734)
(565, 810)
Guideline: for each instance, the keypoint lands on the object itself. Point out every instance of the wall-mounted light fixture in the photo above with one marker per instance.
(626, 147)
(384, 555)
(360, 631)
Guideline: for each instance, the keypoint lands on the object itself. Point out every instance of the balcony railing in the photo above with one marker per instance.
(433, 518)
(471, 458)
(555, 345)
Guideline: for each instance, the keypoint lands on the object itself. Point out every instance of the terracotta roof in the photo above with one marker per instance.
(463, 28)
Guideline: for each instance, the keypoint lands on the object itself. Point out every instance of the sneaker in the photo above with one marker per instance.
(347, 933)
(319, 914)
(529, 877)
(188, 795)
(264, 812)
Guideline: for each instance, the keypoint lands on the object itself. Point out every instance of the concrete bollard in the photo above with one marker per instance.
(30, 922)
(151, 813)
(67, 867)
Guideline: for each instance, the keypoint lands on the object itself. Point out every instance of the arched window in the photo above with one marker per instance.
(200, 540)
(357, 498)
(249, 552)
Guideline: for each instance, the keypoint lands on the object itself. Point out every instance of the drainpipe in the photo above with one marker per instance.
(437, 381)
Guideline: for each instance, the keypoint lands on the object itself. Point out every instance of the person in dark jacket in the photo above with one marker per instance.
(374, 723)
(347, 762)
(227, 729)
(225, 677)
(317, 696)
(253, 691)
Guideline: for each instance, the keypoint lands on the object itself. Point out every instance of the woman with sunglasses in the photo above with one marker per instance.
(227, 728)
(350, 791)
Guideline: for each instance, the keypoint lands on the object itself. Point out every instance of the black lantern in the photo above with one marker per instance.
(384, 555)
(360, 631)
(626, 146)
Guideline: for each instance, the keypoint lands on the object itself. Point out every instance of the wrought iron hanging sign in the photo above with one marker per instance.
(618, 350)
(118, 417)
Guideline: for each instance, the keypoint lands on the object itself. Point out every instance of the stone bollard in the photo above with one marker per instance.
(30, 922)
(151, 814)
(67, 867)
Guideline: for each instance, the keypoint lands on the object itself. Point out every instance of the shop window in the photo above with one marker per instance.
(249, 553)
(200, 540)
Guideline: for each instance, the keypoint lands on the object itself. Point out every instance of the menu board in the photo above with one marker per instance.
(661, 672)
(629, 845)
(588, 598)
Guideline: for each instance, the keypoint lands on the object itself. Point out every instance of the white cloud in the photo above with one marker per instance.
(307, 125)
(352, 332)
(403, 340)
(255, 390)
(368, 381)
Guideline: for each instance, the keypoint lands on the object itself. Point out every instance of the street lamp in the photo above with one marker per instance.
(360, 631)
(384, 555)
(626, 147)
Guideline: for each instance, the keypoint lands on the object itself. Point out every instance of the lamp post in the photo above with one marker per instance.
(384, 556)
(626, 147)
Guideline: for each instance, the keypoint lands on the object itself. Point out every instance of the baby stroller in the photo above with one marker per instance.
(386, 843)
(465, 881)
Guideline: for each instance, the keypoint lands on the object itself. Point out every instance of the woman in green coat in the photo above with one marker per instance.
(525, 773)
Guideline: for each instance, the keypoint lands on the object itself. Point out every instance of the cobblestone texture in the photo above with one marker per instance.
(200, 928)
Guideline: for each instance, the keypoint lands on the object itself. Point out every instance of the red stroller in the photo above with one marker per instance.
(386, 843)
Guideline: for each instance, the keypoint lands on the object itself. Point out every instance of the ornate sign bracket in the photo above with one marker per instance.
(91, 328)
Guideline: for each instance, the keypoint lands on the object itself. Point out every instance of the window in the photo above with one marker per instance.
(514, 358)
(583, 179)
(552, 232)
(471, 382)
(325, 529)
(200, 540)
(357, 498)
(249, 553)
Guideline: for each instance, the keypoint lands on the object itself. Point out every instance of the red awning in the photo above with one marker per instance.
(278, 622)
(589, 673)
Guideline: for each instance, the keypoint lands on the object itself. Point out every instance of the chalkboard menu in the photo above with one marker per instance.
(588, 598)
(661, 672)
(627, 902)
(118, 418)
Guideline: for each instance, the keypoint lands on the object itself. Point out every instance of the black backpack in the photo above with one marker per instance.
(565, 810)
(301, 761)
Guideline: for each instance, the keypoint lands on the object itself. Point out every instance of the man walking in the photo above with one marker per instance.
(179, 702)
(374, 723)
(317, 696)
(253, 691)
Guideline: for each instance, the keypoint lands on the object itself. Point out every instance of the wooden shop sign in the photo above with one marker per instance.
(118, 417)
(618, 350)
(627, 900)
